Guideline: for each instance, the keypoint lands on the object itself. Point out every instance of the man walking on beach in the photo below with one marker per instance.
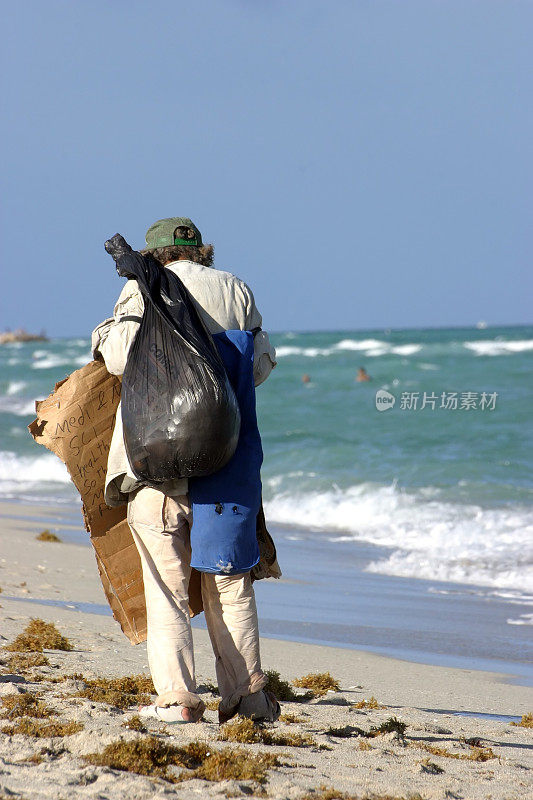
(161, 519)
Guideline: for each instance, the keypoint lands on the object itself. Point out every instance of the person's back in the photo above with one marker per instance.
(224, 302)
(160, 518)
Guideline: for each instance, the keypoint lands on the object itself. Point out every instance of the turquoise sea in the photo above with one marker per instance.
(442, 492)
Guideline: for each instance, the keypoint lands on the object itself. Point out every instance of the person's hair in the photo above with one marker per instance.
(205, 254)
(201, 254)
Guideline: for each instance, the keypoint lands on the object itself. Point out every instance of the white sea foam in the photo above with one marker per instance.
(15, 387)
(523, 619)
(429, 538)
(496, 347)
(310, 352)
(406, 349)
(50, 362)
(367, 347)
(20, 473)
(364, 344)
(21, 406)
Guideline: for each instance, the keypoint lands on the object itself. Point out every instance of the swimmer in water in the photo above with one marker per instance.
(306, 378)
(362, 375)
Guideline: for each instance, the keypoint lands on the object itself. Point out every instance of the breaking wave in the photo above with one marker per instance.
(373, 348)
(429, 538)
(20, 474)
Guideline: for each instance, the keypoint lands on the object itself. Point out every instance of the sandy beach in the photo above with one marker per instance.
(458, 741)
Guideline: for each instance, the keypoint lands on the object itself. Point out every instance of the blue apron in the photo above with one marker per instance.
(225, 504)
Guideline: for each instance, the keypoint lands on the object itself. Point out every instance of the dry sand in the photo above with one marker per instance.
(424, 697)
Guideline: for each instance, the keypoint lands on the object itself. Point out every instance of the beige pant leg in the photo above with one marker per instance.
(160, 526)
(231, 616)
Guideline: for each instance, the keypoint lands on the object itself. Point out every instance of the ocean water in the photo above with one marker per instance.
(440, 492)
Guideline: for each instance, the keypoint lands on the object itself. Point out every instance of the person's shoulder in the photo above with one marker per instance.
(193, 270)
(230, 278)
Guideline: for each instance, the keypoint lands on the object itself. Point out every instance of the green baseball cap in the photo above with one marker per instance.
(161, 233)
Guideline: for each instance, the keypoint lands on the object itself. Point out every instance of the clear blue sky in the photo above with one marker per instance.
(359, 163)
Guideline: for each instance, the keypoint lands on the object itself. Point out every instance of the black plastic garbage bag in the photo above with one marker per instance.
(179, 412)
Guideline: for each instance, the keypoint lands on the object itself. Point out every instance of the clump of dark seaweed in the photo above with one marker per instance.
(240, 729)
(476, 753)
(151, 756)
(47, 536)
(325, 793)
(24, 661)
(37, 635)
(525, 722)
(27, 726)
(344, 733)
(372, 704)
(234, 764)
(119, 692)
(430, 767)
(319, 683)
(135, 723)
(289, 740)
(290, 719)
(245, 731)
(283, 690)
(24, 705)
(391, 725)
(144, 756)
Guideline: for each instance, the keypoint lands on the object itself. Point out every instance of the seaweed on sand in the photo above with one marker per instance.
(476, 754)
(135, 723)
(319, 683)
(283, 690)
(525, 722)
(364, 745)
(325, 793)
(233, 764)
(37, 635)
(370, 704)
(47, 536)
(245, 731)
(144, 756)
(430, 767)
(290, 719)
(32, 727)
(119, 692)
(391, 725)
(151, 756)
(345, 733)
(24, 705)
(24, 661)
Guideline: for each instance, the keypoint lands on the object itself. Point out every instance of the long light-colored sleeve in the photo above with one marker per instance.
(113, 338)
(264, 352)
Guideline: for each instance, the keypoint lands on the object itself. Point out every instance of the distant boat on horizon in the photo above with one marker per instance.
(20, 335)
(481, 325)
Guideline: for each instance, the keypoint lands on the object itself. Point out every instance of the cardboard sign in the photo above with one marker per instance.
(76, 423)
